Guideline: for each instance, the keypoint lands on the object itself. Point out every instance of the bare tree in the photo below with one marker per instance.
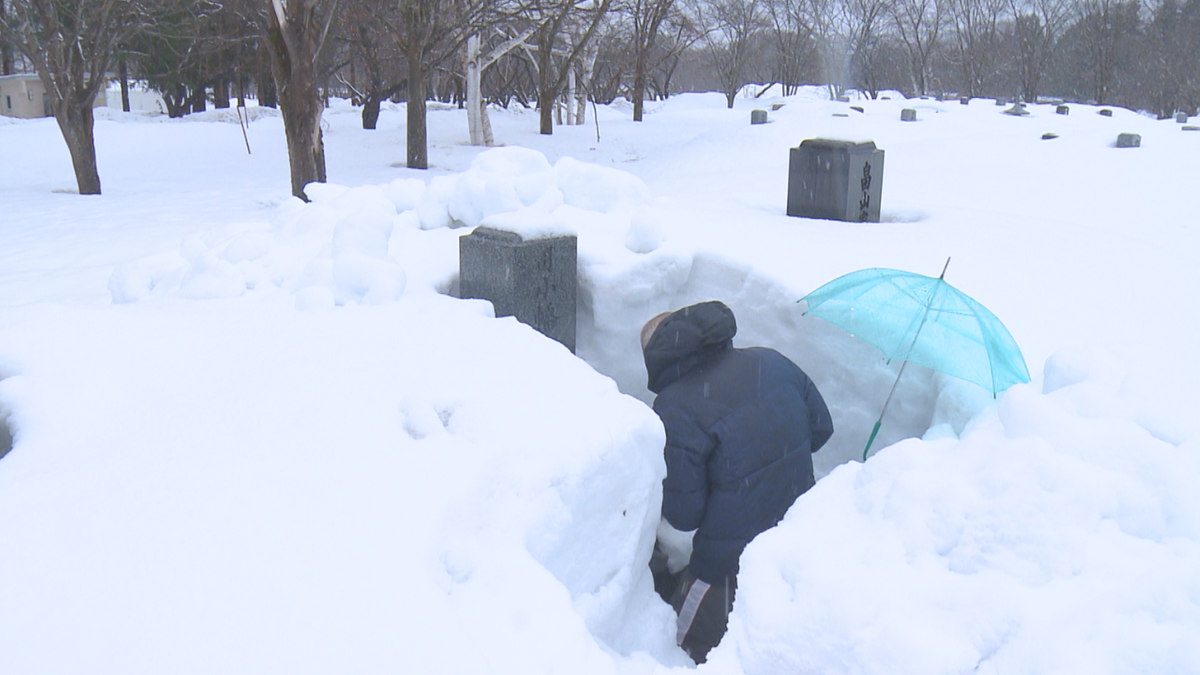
(572, 22)
(1109, 27)
(729, 46)
(793, 41)
(977, 37)
(919, 24)
(6, 59)
(647, 18)
(71, 45)
(365, 28)
(428, 33)
(1037, 26)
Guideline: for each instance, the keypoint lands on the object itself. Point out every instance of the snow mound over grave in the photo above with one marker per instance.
(1060, 534)
(371, 245)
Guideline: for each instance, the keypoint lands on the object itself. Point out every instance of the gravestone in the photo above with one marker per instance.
(1181, 117)
(1191, 128)
(835, 180)
(1062, 110)
(965, 100)
(908, 115)
(1106, 112)
(857, 107)
(758, 117)
(1001, 101)
(1017, 109)
(776, 106)
(1049, 136)
(1129, 141)
(533, 280)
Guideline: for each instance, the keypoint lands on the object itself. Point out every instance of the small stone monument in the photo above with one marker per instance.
(835, 180)
(858, 108)
(1049, 136)
(1181, 117)
(965, 100)
(1062, 110)
(1001, 101)
(908, 115)
(1105, 112)
(1017, 109)
(1191, 128)
(1129, 141)
(758, 117)
(776, 106)
(533, 280)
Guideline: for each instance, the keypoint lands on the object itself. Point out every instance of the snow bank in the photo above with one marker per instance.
(242, 487)
(1058, 535)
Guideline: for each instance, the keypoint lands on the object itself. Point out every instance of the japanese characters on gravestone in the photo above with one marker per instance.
(533, 280)
(835, 180)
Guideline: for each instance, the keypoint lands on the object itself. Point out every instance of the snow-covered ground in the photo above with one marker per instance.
(257, 435)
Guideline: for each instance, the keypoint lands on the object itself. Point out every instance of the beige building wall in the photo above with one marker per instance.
(23, 96)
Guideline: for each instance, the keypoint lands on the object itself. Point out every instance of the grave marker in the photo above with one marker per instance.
(835, 180)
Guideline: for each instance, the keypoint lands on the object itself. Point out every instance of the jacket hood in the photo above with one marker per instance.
(688, 338)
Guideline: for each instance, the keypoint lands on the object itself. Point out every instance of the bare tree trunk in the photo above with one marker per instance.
(476, 110)
(417, 132)
(124, 73)
(76, 123)
(294, 43)
(370, 111)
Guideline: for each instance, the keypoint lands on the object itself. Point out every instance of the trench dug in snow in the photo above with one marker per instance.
(853, 377)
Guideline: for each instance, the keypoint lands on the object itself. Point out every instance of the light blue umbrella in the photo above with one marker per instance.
(924, 320)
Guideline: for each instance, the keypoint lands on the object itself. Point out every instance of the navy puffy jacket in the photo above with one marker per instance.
(741, 424)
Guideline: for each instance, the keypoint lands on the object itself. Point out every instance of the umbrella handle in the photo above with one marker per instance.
(874, 432)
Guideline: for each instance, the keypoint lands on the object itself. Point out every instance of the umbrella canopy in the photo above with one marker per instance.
(924, 320)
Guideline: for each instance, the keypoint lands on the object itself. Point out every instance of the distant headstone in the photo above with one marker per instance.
(908, 115)
(533, 280)
(835, 180)
(1129, 141)
(1001, 101)
(885, 98)
(1063, 110)
(776, 106)
(758, 117)
(965, 100)
(844, 99)
(1181, 117)
(841, 114)
(857, 107)
(1191, 128)
(1049, 136)
(1106, 112)
(1017, 109)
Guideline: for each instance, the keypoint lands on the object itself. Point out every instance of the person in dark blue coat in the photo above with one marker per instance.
(742, 426)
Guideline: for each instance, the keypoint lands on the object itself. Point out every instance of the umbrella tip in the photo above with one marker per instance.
(943, 276)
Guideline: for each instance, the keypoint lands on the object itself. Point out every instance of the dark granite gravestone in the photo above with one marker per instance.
(533, 280)
(1181, 117)
(835, 180)
(908, 115)
(1063, 110)
(758, 117)
(1129, 141)
(965, 100)
(1106, 112)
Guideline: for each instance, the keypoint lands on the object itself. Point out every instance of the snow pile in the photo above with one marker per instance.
(248, 488)
(1060, 534)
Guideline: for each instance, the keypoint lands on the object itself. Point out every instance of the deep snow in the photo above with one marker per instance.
(254, 434)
